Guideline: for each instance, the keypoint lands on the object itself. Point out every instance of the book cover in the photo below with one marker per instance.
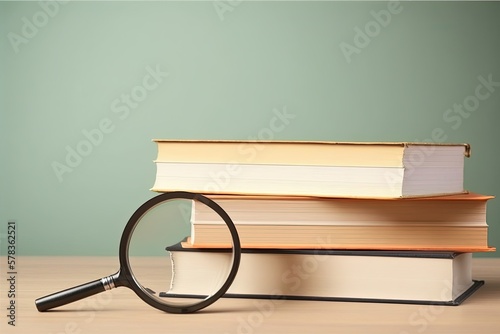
(439, 278)
(323, 169)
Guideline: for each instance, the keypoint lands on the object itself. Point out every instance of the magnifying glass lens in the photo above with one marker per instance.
(153, 261)
(160, 253)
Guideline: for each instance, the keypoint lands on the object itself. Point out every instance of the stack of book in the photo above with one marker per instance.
(384, 222)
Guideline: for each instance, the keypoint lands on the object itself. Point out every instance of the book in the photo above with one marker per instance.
(453, 223)
(442, 278)
(301, 168)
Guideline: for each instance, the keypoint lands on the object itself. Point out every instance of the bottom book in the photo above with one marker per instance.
(439, 278)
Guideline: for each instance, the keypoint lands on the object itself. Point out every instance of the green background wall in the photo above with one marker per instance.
(66, 70)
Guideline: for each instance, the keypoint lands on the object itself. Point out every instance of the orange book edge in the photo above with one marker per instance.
(457, 249)
(466, 195)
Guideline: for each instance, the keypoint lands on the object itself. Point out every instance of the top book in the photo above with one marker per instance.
(311, 168)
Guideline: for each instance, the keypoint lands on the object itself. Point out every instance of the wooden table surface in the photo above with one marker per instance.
(121, 311)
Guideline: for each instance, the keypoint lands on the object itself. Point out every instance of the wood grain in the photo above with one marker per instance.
(121, 311)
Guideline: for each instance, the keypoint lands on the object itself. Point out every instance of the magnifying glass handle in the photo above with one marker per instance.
(73, 294)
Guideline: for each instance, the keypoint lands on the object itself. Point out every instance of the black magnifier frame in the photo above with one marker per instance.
(124, 277)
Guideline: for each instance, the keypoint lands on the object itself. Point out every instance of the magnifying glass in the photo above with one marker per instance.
(146, 267)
